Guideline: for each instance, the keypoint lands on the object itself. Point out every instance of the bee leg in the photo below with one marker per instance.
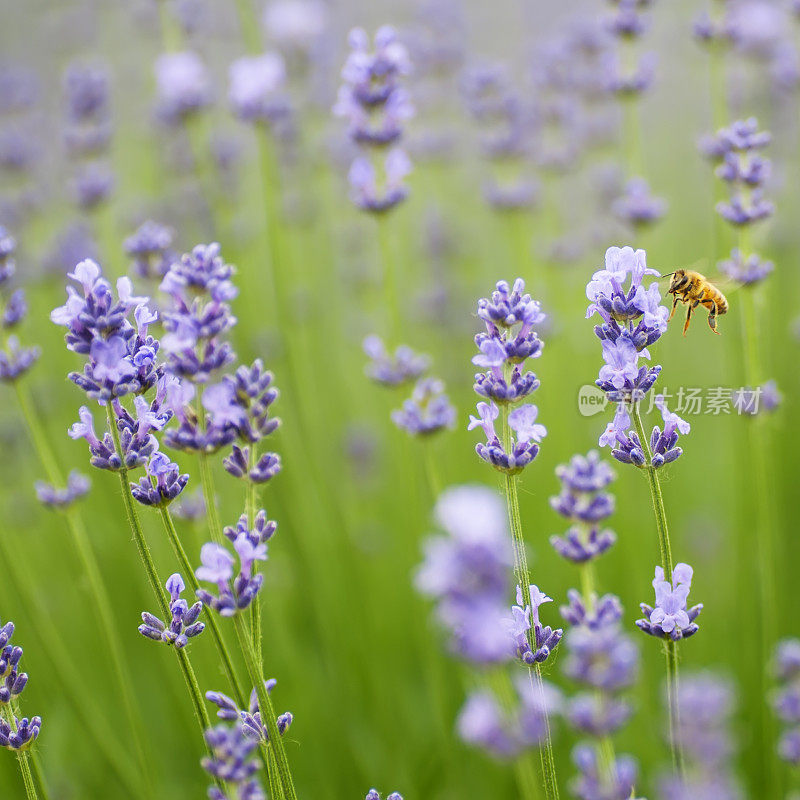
(689, 317)
(674, 305)
(712, 318)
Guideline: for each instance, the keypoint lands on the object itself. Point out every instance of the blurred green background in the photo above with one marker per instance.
(358, 658)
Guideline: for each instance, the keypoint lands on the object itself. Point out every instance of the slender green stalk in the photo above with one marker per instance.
(523, 580)
(248, 23)
(670, 649)
(389, 263)
(209, 616)
(102, 601)
(266, 707)
(210, 498)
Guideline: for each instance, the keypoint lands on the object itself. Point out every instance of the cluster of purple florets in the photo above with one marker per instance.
(428, 410)
(250, 718)
(706, 705)
(184, 624)
(510, 316)
(15, 360)
(670, 617)
(632, 319)
(87, 132)
(15, 734)
(233, 762)
(786, 698)
(601, 658)
(235, 592)
(376, 107)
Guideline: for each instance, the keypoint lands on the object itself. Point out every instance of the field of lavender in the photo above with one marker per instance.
(337, 358)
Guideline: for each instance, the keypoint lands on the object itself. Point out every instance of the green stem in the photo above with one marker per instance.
(522, 576)
(389, 277)
(102, 601)
(155, 582)
(209, 616)
(210, 498)
(249, 25)
(671, 652)
(255, 606)
(266, 708)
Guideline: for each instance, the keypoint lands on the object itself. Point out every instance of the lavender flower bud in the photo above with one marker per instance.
(52, 497)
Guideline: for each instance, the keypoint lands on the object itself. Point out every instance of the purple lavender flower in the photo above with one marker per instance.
(762, 399)
(121, 357)
(184, 624)
(746, 270)
(200, 286)
(484, 723)
(250, 719)
(150, 248)
(21, 735)
(706, 702)
(637, 206)
(86, 89)
(162, 483)
(93, 184)
(597, 714)
(395, 369)
(376, 107)
(370, 193)
(786, 698)
(467, 572)
(427, 411)
(191, 507)
(372, 794)
(628, 83)
(534, 641)
(232, 760)
(233, 594)
(183, 85)
(256, 88)
(583, 501)
(296, 25)
(670, 616)
(592, 783)
(524, 444)
(53, 497)
(599, 654)
(265, 469)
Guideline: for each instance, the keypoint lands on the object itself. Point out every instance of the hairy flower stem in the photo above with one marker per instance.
(155, 582)
(250, 509)
(208, 615)
(670, 648)
(210, 498)
(522, 576)
(102, 600)
(265, 705)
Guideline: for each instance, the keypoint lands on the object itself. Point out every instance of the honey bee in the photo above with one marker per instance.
(694, 289)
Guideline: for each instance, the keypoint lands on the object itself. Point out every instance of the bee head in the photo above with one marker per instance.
(678, 278)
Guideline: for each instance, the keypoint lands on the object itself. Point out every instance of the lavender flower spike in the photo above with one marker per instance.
(183, 625)
(372, 794)
(234, 594)
(545, 639)
(670, 617)
(524, 446)
(52, 497)
(428, 411)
